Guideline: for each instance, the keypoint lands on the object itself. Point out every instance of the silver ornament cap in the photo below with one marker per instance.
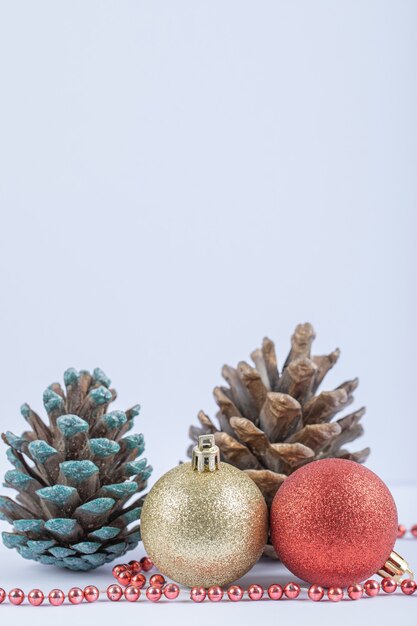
(206, 455)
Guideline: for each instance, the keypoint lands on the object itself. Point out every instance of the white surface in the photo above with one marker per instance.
(381, 610)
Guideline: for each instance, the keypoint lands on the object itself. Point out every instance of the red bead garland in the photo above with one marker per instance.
(131, 577)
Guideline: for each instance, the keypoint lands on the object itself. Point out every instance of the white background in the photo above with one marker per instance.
(180, 179)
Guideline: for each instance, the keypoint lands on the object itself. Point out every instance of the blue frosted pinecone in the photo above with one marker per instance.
(77, 477)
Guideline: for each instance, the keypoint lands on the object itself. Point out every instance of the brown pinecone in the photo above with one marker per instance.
(270, 424)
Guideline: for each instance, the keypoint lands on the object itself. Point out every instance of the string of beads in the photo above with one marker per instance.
(132, 580)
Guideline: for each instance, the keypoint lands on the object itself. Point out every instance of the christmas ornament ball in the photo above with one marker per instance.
(333, 522)
(204, 523)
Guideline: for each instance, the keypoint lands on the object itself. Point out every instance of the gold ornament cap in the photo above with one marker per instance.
(206, 455)
(396, 567)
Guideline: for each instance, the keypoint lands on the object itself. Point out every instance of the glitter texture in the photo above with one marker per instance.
(333, 522)
(204, 528)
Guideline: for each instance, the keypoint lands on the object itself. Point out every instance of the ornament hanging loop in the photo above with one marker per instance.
(206, 455)
(396, 567)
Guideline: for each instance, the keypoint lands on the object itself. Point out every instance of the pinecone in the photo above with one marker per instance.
(270, 424)
(75, 477)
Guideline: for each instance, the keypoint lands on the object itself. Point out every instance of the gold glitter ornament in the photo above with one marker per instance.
(205, 522)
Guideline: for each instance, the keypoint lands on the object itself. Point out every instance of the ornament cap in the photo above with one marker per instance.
(395, 567)
(206, 455)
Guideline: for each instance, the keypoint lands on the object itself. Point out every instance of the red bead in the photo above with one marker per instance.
(316, 593)
(401, 531)
(355, 592)
(135, 567)
(146, 563)
(198, 594)
(36, 597)
(171, 591)
(91, 593)
(371, 588)
(154, 593)
(292, 590)
(124, 578)
(75, 595)
(215, 593)
(388, 585)
(132, 593)
(335, 594)
(235, 593)
(414, 530)
(16, 596)
(114, 593)
(117, 570)
(255, 592)
(2, 596)
(139, 580)
(56, 597)
(408, 586)
(157, 580)
(275, 592)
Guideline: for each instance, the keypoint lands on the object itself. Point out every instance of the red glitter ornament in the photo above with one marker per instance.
(333, 522)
